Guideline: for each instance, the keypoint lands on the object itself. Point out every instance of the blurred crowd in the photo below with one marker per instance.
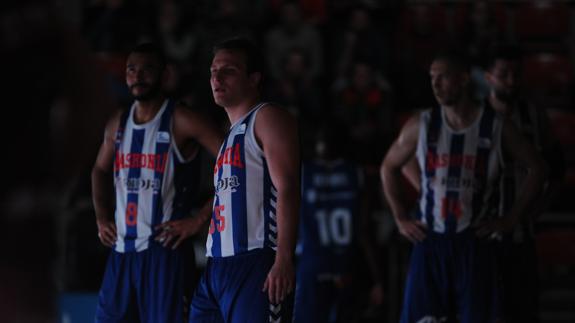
(364, 62)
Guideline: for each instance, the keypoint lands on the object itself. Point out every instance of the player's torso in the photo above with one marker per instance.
(329, 214)
(459, 170)
(244, 212)
(146, 164)
(525, 117)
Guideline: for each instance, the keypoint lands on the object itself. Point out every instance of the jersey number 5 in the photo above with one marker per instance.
(221, 225)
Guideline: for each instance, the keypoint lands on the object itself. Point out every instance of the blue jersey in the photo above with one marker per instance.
(329, 214)
(152, 179)
(244, 211)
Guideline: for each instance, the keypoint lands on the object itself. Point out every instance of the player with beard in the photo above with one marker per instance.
(151, 151)
(453, 270)
(519, 263)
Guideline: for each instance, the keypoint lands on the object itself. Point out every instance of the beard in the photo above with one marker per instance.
(506, 96)
(150, 91)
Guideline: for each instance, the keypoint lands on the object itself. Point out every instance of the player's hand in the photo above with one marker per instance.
(280, 281)
(106, 232)
(177, 231)
(376, 294)
(413, 230)
(500, 225)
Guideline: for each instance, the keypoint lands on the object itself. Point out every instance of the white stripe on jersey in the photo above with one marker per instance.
(465, 183)
(252, 185)
(144, 185)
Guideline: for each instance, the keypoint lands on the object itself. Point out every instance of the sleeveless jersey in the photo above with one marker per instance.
(244, 211)
(460, 170)
(330, 207)
(153, 182)
(526, 118)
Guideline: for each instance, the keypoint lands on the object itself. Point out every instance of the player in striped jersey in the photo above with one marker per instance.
(252, 236)
(519, 263)
(151, 153)
(453, 272)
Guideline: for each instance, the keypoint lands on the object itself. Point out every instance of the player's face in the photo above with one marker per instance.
(143, 76)
(448, 83)
(503, 78)
(228, 78)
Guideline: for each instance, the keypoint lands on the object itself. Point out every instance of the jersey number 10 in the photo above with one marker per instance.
(334, 226)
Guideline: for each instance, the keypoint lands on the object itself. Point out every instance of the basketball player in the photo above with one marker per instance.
(333, 235)
(458, 147)
(519, 263)
(252, 233)
(150, 150)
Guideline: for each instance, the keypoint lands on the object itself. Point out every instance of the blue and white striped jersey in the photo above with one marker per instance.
(460, 170)
(244, 212)
(151, 178)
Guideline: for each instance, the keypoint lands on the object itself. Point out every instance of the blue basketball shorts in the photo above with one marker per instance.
(453, 277)
(146, 286)
(318, 299)
(230, 290)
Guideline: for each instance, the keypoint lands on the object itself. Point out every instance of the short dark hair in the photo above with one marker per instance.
(151, 49)
(504, 52)
(253, 55)
(455, 58)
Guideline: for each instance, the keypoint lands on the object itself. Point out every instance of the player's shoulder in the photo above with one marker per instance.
(183, 110)
(273, 111)
(186, 116)
(115, 119)
(415, 118)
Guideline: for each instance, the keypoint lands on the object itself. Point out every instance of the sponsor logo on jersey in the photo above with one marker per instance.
(231, 156)
(331, 180)
(163, 137)
(484, 143)
(435, 161)
(156, 162)
(228, 184)
(459, 183)
(134, 185)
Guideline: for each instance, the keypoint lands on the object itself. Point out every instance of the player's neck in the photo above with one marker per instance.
(462, 115)
(236, 112)
(147, 110)
(501, 106)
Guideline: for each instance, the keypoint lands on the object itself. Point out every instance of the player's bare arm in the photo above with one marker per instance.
(412, 173)
(190, 128)
(399, 154)
(102, 189)
(177, 231)
(524, 155)
(276, 132)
